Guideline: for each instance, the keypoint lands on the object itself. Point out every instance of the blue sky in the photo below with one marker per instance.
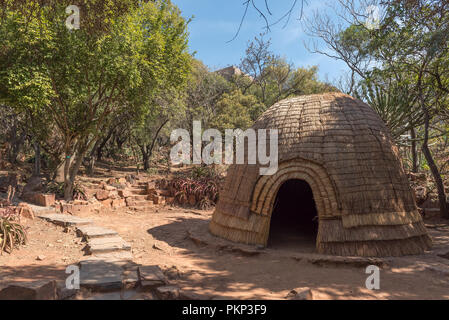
(215, 22)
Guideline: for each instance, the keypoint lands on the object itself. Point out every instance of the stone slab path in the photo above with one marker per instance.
(109, 266)
(64, 220)
(93, 232)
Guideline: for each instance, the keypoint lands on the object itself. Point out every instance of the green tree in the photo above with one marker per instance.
(204, 90)
(236, 110)
(119, 59)
(271, 78)
(411, 47)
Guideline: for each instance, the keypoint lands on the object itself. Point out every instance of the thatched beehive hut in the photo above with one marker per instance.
(339, 147)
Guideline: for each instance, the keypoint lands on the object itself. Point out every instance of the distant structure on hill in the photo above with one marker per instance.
(231, 71)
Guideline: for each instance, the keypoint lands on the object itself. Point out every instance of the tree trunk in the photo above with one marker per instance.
(145, 157)
(91, 166)
(103, 144)
(37, 159)
(414, 151)
(74, 164)
(68, 185)
(146, 162)
(433, 167)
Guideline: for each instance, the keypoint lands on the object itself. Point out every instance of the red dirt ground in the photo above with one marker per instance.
(161, 237)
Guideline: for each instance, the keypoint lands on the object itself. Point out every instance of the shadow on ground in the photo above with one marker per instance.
(224, 274)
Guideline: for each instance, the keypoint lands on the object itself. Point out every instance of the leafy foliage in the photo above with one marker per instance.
(58, 189)
(71, 82)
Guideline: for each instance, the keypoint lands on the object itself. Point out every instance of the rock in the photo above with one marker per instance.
(110, 188)
(300, 294)
(64, 219)
(36, 290)
(40, 258)
(121, 181)
(118, 203)
(442, 270)
(25, 210)
(130, 202)
(65, 294)
(92, 232)
(151, 276)
(124, 193)
(130, 178)
(107, 203)
(168, 292)
(45, 200)
(102, 195)
(108, 245)
(78, 209)
(100, 275)
(189, 295)
(151, 188)
(173, 273)
(112, 181)
(114, 256)
(130, 279)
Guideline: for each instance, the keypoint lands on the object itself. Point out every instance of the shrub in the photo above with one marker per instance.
(58, 189)
(204, 190)
(12, 233)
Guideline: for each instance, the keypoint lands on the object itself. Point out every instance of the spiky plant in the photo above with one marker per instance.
(12, 233)
(205, 191)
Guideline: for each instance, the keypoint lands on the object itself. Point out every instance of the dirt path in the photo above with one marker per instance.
(160, 237)
(47, 254)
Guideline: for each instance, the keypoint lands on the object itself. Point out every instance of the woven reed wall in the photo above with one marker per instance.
(341, 147)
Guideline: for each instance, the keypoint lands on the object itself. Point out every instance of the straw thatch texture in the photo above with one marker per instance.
(343, 150)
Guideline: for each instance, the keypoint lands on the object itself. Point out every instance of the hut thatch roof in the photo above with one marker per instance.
(343, 150)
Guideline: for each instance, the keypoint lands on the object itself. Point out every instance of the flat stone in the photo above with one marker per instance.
(35, 290)
(100, 275)
(139, 198)
(118, 256)
(130, 278)
(442, 270)
(140, 191)
(102, 195)
(119, 295)
(141, 208)
(106, 245)
(91, 232)
(151, 276)
(66, 294)
(190, 295)
(300, 294)
(326, 260)
(64, 220)
(168, 292)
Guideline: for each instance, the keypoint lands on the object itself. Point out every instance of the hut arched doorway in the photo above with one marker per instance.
(294, 219)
